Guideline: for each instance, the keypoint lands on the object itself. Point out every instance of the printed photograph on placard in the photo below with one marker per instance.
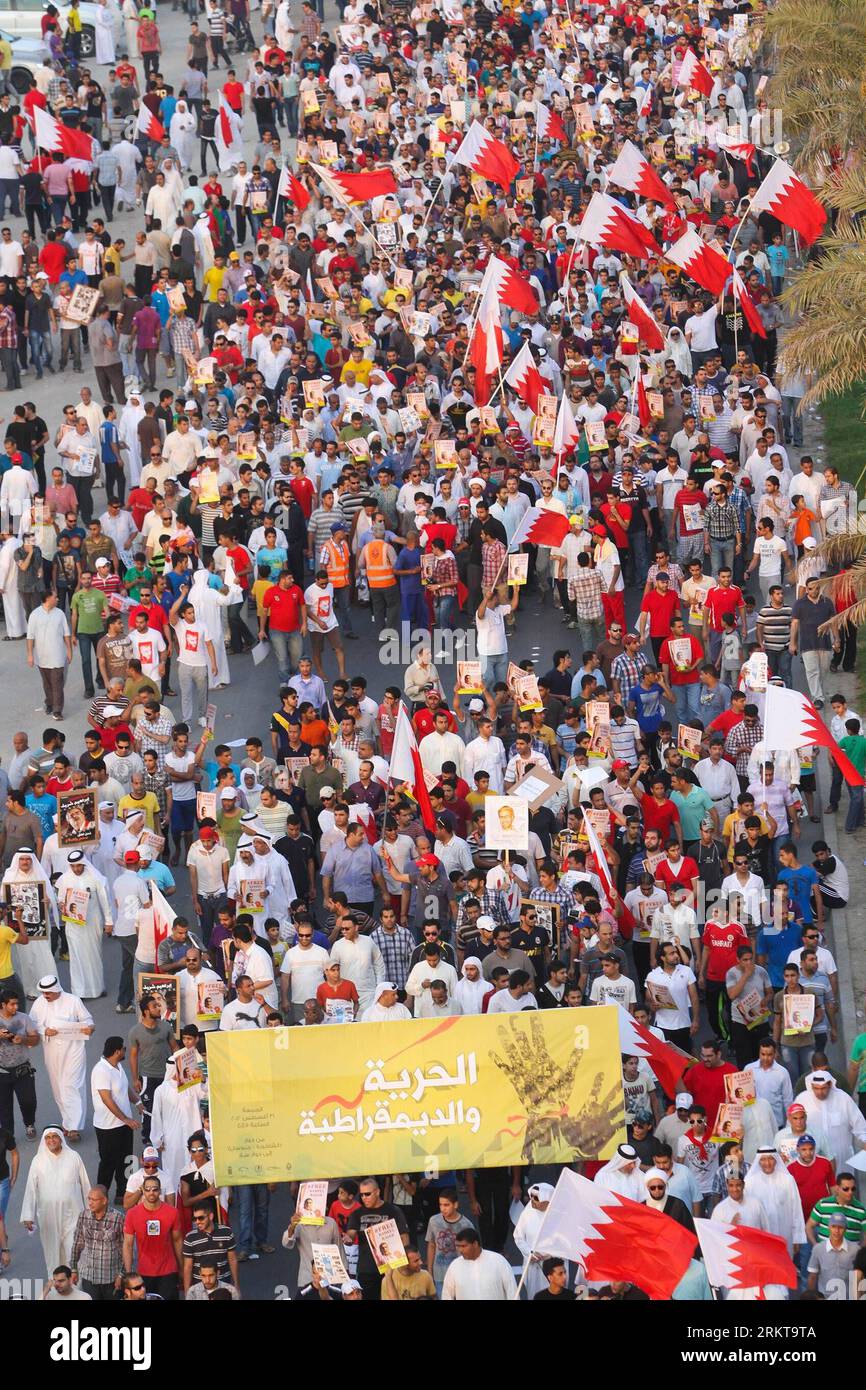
(312, 1203)
(76, 817)
(506, 823)
(740, 1088)
(386, 1246)
(165, 989)
(469, 678)
(518, 568)
(798, 1013)
(210, 1001)
(26, 898)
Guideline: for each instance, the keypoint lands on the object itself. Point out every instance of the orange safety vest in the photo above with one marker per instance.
(380, 574)
(337, 563)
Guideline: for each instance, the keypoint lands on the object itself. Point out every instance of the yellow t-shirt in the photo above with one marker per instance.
(361, 369)
(148, 803)
(260, 588)
(212, 281)
(8, 937)
(5, 56)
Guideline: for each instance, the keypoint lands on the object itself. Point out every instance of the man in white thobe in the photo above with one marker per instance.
(208, 604)
(477, 1275)
(64, 1024)
(836, 1115)
(86, 967)
(360, 961)
(176, 1115)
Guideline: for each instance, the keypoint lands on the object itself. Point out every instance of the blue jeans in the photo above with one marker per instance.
(688, 701)
(779, 664)
(9, 190)
(792, 421)
(87, 647)
(722, 555)
(253, 1202)
(446, 611)
(855, 816)
(40, 350)
(5, 1190)
(288, 648)
(640, 554)
(494, 668)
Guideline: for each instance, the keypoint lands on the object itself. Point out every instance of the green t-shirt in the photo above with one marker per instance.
(135, 578)
(91, 605)
(855, 746)
(858, 1054)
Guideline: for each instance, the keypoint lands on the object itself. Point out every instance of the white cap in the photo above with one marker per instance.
(683, 1100)
(486, 923)
(809, 543)
(476, 706)
(229, 794)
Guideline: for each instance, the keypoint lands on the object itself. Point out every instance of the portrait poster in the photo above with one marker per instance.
(294, 767)
(506, 823)
(469, 678)
(428, 564)
(689, 741)
(205, 806)
(314, 394)
(445, 453)
(188, 1062)
(26, 897)
(547, 915)
(251, 895)
(165, 989)
(73, 906)
(328, 1264)
(596, 436)
(798, 1013)
(518, 568)
(77, 822)
(680, 649)
(386, 1246)
(526, 691)
(729, 1123)
(740, 1088)
(312, 1203)
(210, 1001)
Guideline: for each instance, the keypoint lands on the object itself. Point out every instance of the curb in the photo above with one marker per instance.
(842, 949)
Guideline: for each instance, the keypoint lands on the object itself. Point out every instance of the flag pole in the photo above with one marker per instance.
(336, 192)
(523, 1274)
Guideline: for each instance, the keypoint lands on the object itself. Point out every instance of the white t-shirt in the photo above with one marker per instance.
(492, 640)
(319, 599)
(10, 257)
(701, 330)
(677, 985)
(148, 647)
(605, 991)
(769, 550)
(181, 791)
(191, 639)
(105, 1077)
(47, 629)
(504, 1002)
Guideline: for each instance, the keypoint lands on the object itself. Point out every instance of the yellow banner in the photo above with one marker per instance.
(427, 1095)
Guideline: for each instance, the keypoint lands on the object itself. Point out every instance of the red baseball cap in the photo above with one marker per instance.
(208, 833)
(429, 861)
(132, 856)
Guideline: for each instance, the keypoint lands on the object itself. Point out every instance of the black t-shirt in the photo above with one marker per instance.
(564, 1296)
(534, 943)
(361, 1221)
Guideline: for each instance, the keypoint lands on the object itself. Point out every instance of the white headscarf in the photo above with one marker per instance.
(678, 349)
(655, 1175)
(614, 1177)
(470, 994)
(779, 1198)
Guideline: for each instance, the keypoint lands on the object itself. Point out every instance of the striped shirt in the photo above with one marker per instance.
(854, 1213)
(776, 624)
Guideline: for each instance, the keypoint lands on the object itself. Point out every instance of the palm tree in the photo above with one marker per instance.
(820, 86)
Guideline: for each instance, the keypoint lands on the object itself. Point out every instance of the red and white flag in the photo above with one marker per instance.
(358, 188)
(737, 149)
(566, 432)
(596, 849)
(549, 124)
(540, 528)
(607, 223)
(632, 171)
(742, 1257)
(750, 308)
(485, 347)
(693, 75)
(292, 190)
(792, 721)
(667, 1061)
(148, 126)
(486, 156)
(524, 377)
(406, 767)
(706, 266)
(502, 282)
(163, 914)
(785, 196)
(613, 1237)
(228, 135)
(646, 101)
(638, 314)
(51, 135)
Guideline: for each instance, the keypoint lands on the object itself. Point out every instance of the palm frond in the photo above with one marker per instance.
(827, 339)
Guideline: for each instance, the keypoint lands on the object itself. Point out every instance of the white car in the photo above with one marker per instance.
(28, 53)
(25, 17)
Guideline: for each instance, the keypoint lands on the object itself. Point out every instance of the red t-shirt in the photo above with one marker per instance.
(721, 601)
(618, 535)
(684, 498)
(242, 565)
(813, 1182)
(284, 608)
(725, 722)
(661, 608)
(234, 95)
(304, 493)
(157, 618)
(659, 815)
(424, 723)
(720, 943)
(665, 658)
(683, 872)
(52, 258)
(139, 502)
(152, 1231)
(707, 1088)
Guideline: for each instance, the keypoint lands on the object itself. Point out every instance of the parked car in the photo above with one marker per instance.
(25, 17)
(28, 53)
